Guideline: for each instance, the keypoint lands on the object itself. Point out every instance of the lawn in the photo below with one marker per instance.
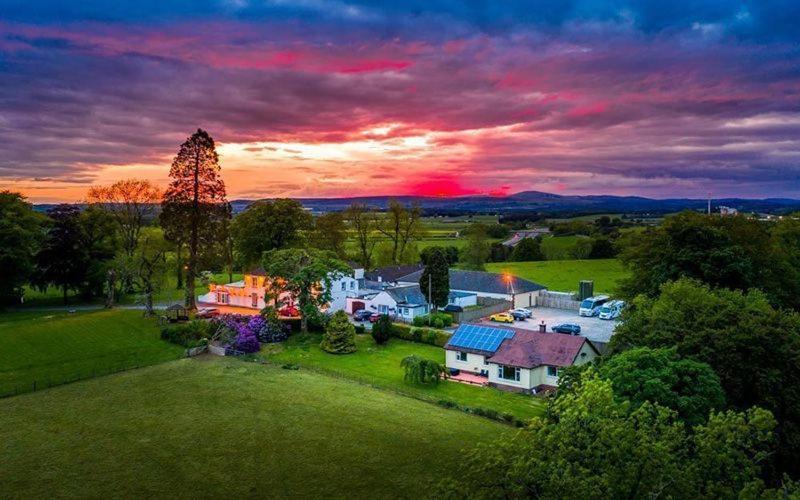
(224, 428)
(49, 348)
(564, 275)
(380, 366)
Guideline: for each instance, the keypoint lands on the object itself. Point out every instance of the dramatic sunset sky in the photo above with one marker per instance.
(339, 97)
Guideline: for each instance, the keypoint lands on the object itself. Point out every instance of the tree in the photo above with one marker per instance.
(307, 275)
(268, 225)
(477, 249)
(131, 202)
(419, 370)
(402, 226)
(150, 265)
(330, 233)
(435, 279)
(499, 252)
(99, 238)
(691, 388)
(593, 445)
(450, 252)
(21, 233)
(582, 249)
(751, 346)
(364, 224)
(602, 248)
(340, 335)
(730, 252)
(529, 249)
(382, 329)
(194, 202)
(497, 231)
(62, 260)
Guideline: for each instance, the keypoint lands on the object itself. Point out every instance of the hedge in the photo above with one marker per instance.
(189, 334)
(430, 336)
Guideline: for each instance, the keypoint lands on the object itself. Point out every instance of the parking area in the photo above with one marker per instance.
(591, 328)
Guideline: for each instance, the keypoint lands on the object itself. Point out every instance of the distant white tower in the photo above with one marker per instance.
(709, 203)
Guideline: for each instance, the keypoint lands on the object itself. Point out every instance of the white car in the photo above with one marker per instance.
(521, 311)
(611, 310)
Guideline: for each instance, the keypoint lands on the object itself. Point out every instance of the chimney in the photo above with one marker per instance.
(542, 327)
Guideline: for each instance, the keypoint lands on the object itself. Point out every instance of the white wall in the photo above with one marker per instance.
(470, 300)
(524, 377)
(474, 363)
(339, 296)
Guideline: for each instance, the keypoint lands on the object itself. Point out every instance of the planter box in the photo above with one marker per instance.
(216, 350)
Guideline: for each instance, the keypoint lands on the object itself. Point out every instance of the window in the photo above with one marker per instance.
(254, 282)
(552, 371)
(508, 372)
(254, 299)
(352, 285)
(344, 286)
(222, 298)
(461, 356)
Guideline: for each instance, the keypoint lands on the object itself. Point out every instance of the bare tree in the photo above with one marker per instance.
(364, 223)
(132, 203)
(402, 226)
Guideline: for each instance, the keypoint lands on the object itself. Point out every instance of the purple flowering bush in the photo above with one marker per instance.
(239, 332)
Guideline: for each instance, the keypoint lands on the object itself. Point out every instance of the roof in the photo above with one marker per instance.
(407, 295)
(479, 281)
(392, 273)
(478, 339)
(529, 349)
(454, 294)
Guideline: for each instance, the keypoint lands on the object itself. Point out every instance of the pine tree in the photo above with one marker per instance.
(195, 203)
(435, 279)
(340, 335)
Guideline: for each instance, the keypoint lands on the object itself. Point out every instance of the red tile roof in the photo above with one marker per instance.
(528, 349)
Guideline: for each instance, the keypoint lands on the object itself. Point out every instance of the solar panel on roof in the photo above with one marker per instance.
(478, 337)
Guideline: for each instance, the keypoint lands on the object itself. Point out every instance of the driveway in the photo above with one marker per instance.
(591, 328)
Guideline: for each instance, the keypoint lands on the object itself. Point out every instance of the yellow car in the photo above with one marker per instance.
(502, 318)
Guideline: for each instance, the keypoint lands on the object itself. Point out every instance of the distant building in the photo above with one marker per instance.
(725, 211)
(527, 233)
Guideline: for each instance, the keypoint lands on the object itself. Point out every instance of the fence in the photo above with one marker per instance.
(486, 307)
(558, 300)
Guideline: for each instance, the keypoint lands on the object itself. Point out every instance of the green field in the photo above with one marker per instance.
(380, 366)
(564, 275)
(223, 428)
(52, 348)
(559, 247)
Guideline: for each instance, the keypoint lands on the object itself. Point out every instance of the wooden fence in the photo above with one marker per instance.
(558, 300)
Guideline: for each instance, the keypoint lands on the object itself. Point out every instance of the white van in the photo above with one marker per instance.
(592, 305)
(612, 309)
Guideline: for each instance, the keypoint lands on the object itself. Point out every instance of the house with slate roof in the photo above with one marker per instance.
(403, 303)
(513, 359)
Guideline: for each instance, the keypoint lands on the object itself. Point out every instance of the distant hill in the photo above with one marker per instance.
(547, 202)
(537, 201)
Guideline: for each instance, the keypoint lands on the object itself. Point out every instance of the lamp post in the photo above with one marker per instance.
(510, 282)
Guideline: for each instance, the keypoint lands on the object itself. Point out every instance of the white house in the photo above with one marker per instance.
(513, 359)
(249, 293)
(402, 302)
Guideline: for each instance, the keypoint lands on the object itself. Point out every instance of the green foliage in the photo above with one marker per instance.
(441, 318)
(100, 241)
(21, 233)
(434, 282)
(419, 370)
(430, 336)
(62, 260)
(582, 249)
(752, 347)
(340, 335)
(307, 274)
(595, 446)
(688, 387)
(329, 233)
(268, 225)
(497, 231)
(191, 334)
(476, 251)
(731, 252)
(602, 248)
(382, 329)
(528, 249)
(450, 252)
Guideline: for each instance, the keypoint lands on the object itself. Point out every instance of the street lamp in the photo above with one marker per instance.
(510, 282)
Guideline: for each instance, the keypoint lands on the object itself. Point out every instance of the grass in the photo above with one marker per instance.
(380, 366)
(564, 275)
(559, 247)
(49, 348)
(224, 428)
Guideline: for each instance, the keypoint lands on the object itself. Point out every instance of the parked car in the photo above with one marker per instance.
(289, 312)
(362, 315)
(591, 306)
(502, 318)
(567, 328)
(207, 312)
(521, 311)
(452, 308)
(376, 316)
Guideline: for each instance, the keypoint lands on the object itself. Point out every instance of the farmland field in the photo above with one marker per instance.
(214, 427)
(49, 348)
(564, 275)
(380, 366)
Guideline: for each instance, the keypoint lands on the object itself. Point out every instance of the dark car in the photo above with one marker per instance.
(362, 315)
(567, 328)
(452, 308)
(519, 316)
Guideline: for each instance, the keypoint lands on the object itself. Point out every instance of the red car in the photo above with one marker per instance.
(289, 312)
(207, 312)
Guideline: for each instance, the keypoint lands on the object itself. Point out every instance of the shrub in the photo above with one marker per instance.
(239, 333)
(270, 329)
(419, 370)
(436, 319)
(340, 335)
(189, 334)
(360, 329)
(438, 323)
(402, 331)
(382, 329)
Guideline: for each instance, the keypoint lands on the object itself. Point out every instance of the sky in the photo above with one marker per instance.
(328, 98)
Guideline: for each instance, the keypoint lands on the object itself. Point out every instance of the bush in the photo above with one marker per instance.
(425, 335)
(382, 329)
(191, 334)
(340, 335)
(436, 319)
(269, 329)
(239, 333)
(360, 329)
(422, 371)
